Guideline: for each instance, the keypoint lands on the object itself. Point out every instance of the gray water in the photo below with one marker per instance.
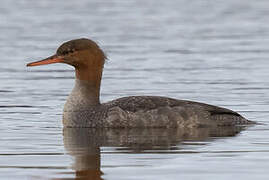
(215, 52)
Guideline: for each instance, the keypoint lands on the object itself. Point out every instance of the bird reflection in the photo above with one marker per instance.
(83, 144)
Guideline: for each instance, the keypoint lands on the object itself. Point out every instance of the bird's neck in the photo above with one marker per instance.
(88, 80)
(86, 92)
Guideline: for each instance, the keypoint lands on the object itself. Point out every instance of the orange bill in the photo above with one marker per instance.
(49, 60)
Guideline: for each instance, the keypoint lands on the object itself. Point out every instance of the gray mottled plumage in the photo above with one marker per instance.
(143, 111)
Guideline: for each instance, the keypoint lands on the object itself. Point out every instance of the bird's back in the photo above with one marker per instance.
(156, 111)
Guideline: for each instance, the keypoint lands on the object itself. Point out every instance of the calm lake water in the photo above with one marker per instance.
(215, 52)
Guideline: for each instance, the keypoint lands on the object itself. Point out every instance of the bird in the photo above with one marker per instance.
(83, 108)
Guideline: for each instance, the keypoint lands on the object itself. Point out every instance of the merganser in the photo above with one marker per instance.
(83, 107)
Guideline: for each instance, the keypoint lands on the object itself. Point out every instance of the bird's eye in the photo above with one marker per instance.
(65, 52)
(68, 51)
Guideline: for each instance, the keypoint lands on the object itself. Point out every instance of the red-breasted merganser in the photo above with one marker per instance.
(83, 107)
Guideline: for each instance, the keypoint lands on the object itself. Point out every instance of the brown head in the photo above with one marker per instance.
(84, 54)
